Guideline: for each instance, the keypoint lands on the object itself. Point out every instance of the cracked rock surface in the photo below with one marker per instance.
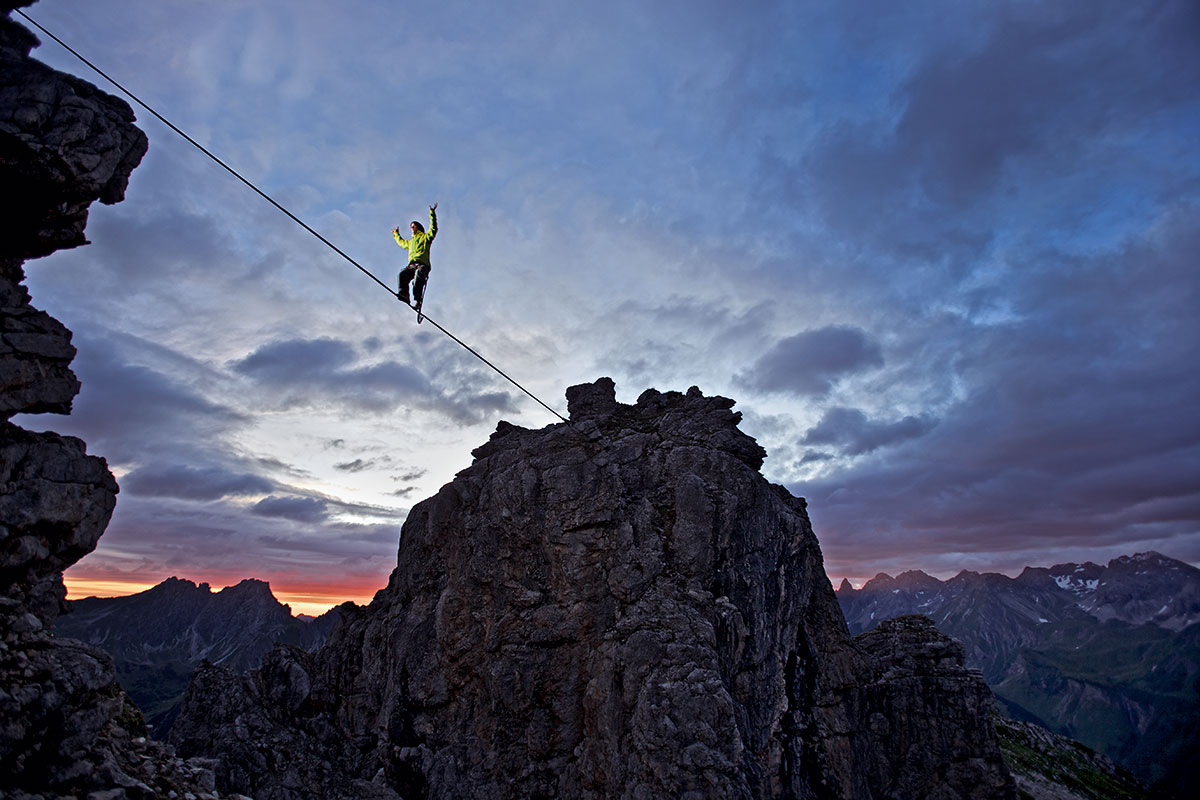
(622, 607)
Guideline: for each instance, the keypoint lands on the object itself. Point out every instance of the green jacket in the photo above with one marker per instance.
(418, 246)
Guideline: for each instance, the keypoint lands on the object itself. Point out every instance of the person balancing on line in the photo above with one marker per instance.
(418, 257)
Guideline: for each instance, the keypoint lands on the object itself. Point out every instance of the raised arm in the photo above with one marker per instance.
(433, 220)
(400, 240)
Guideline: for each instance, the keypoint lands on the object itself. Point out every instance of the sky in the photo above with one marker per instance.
(942, 254)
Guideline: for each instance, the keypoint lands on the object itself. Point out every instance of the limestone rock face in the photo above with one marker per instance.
(619, 607)
(35, 352)
(63, 145)
(919, 738)
(55, 503)
(67, 729)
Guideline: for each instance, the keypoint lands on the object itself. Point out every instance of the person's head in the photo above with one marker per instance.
(417, 227)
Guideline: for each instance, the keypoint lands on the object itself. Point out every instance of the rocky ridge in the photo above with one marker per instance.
(68, 729)
(159, 636)
(618, 607)
(1108, 655)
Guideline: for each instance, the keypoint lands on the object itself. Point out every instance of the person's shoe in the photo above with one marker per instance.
(404, 298)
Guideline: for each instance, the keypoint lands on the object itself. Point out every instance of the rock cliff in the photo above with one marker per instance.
(68, 728)
(618, 607)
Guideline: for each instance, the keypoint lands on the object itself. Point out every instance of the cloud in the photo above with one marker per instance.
(1074, 426)
(1032, 122)
(855, 222)
(810, 362)
(193, 483)
(314, 372)
(152, 538)
(298, 509)
(296, 362)
(133, 413)
(1078, 72)
(159, 246)
(851, 430)
(365, 464)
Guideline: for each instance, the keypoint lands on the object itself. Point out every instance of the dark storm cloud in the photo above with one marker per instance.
(298, 509)
(1024, 202)
(855, 434)
(809, 363)
(1039, 117)
(1079, 429)
(314, 371)
(193, 483)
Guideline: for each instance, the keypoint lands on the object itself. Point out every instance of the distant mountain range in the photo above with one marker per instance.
(1106, 655)
(157, 637)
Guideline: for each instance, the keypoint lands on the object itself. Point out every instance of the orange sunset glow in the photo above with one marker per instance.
(304, 597)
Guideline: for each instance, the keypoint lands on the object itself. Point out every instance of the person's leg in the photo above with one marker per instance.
(419, 286)
(406, 276)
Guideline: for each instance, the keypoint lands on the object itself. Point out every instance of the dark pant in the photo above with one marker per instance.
(406, 275)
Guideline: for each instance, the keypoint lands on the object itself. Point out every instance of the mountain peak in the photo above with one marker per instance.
(178, 587)
(916, 579)
(1151, 559)
(880, 581)
(249, 587)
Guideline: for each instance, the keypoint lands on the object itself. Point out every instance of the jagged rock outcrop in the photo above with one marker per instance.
(918, 737)
(55, 503)
(63, 145)
(619, 607)
(67, 729)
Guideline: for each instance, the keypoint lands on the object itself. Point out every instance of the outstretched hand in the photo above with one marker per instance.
(433, 207)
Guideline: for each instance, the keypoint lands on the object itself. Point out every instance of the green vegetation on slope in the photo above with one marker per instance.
(1038, 758)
